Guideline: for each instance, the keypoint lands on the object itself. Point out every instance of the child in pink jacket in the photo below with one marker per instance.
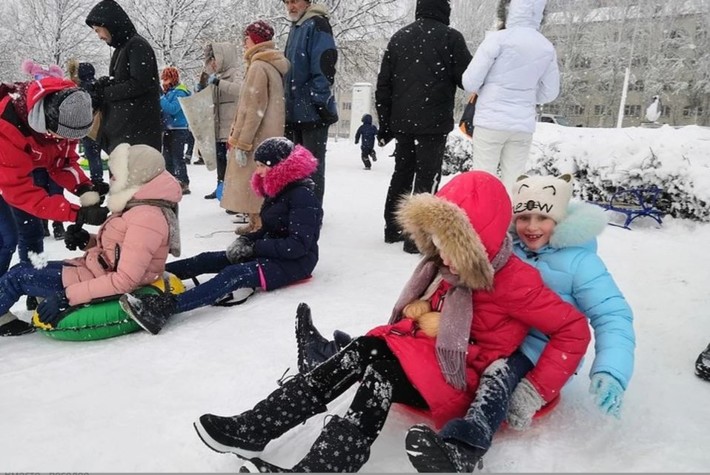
(129, 250)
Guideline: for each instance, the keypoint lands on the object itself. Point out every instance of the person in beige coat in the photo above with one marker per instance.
(221, 70)
(260, 115)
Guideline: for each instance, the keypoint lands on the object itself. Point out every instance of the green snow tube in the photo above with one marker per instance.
(102, 318)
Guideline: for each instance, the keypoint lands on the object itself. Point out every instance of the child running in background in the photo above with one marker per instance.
(558, 238)
(368, 132)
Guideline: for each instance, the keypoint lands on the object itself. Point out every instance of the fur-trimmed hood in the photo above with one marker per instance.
(298, 165)
(583, 223)
(469, 216)
(139, 172)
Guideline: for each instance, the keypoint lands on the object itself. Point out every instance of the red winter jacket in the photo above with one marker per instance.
(502, 312)
(22, 150)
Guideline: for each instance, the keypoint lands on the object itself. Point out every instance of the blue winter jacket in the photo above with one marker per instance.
(570, 266)
(367, 132)
(307, 84)
(173, 116)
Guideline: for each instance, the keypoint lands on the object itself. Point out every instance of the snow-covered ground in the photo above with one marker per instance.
(127, 404)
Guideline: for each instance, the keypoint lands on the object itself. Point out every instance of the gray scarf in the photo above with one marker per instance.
(170, 211)
(456, 315)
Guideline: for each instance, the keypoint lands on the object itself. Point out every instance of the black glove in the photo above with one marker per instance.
(325, 114)
(94, 215)
(51, 308)
(241, 249)
(102, 82)
(76, 238)
(92, 193)
(384, 136)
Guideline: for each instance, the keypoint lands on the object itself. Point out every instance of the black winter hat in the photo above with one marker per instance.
(273, 151)
(86, 72)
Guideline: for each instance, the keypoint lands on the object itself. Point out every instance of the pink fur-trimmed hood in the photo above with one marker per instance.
(298, 165)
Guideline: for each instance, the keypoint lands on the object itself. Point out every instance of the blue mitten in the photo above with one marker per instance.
(608, 393)
(51, 308)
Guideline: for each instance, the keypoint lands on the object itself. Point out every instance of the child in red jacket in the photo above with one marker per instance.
(483, 300)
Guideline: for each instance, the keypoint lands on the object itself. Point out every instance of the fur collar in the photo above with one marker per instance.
(297, 166)
(583, 223)
(424, 215)
(120, 192)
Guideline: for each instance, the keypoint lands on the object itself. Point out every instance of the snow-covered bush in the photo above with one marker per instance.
(458, 155)
(603, 160)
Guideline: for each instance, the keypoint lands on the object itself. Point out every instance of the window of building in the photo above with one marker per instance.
(632, 110)
(599, 109)
(636, 86)
(692, 111)
(347, 106)
(345, 124)
(575, 110)
(551, 108)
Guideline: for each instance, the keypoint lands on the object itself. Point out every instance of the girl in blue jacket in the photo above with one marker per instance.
(559, 239)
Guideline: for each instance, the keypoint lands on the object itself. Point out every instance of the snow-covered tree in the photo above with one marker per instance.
(49, 31)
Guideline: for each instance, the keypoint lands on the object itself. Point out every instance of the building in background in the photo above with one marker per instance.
(664, 44)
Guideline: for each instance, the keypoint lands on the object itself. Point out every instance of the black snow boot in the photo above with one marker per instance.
(31, 302)
(248, 433)
(313, 348)
(149, 311)
(340, 448)
(430, 453)
(10, 325)
(58, 230)
(702, 365)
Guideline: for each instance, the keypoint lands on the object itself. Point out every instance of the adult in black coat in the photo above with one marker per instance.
(416, 86)
(129, 99)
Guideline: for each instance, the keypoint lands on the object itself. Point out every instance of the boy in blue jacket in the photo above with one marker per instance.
(559, 239)
(368, 132)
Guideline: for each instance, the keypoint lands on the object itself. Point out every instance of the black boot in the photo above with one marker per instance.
(149, 311)
(58, 230)
(430, 453)
(410, 247)
(248, 433)
(10, 325)
(702, 365)
(313, 348)
(31, 302)
(393, 234)
(340, 448)
(45, 227)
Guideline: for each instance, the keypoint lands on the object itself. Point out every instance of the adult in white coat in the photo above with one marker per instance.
(513, 69)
